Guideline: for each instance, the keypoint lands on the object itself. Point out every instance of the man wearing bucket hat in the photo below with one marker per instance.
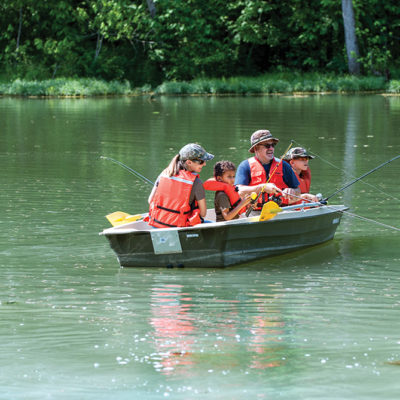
(298, 158)
(178, 197)
(254, 173)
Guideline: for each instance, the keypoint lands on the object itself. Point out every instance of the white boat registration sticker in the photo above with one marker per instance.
(165, 242)
(191, 235)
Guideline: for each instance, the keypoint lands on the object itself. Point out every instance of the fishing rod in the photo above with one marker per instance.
(375, 187)
(253, 201)
(361, 177)
(132, 171)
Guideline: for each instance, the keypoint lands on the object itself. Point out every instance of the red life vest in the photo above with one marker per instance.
(305, 180)
(170, 204)
(258, 176)
(229, 190)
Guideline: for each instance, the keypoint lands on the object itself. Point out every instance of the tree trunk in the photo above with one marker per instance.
(98, 45)
(19, 29)
(350, 36)
(152, 8)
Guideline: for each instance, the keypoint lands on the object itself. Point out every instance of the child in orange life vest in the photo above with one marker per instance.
(298, 159)
(227, 202)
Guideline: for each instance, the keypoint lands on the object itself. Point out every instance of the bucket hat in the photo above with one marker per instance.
(260, 136)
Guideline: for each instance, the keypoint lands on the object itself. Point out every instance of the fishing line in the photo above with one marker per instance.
(132, 171)
(349, 214)
(362, 176)
(376, 188)
(370, 220)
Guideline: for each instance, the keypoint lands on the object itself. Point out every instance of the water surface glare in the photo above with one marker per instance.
(321, 323)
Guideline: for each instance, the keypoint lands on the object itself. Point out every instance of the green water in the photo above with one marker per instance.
(317, 324)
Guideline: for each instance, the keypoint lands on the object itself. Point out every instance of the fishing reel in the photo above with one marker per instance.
(276, 199)
(321, 199)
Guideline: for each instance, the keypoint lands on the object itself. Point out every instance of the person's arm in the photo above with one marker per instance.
(269, 188)
(289, 176)
(199, 194)
(228, 215)
(202, 207)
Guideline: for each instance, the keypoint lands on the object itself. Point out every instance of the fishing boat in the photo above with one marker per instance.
(221, 244)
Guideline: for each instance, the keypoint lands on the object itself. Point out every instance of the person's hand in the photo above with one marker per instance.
(271, 188)
(290, 194)
(309, 197)
(246, 200)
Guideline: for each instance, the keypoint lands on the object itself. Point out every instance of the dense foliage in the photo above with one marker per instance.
(148, 41)
(270, 83)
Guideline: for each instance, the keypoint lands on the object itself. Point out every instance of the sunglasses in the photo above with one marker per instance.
(200, 162)
(268, 145)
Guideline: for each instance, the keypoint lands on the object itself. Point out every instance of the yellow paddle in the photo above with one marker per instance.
(269, 211)
(118, 218)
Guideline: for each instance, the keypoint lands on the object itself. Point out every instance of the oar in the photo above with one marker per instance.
(118, 218)
(269, 211)
(269, 178)
(357, 179)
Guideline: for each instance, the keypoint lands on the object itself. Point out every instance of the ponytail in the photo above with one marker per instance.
(174, 167)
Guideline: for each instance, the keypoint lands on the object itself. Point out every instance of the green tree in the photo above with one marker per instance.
(378, 32)
(151, 40)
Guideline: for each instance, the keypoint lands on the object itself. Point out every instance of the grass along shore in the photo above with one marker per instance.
(278, 83)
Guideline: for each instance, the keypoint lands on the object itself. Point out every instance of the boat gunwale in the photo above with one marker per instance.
(283, 215)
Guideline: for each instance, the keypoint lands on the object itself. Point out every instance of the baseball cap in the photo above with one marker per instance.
(297, 152)
(193, 151)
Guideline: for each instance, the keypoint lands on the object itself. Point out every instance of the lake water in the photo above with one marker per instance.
(321, 323)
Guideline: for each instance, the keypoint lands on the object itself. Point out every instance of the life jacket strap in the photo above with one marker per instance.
(163, 223)
(171, 210)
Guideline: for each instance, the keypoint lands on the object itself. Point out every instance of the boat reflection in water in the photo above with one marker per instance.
(220, 244)
(267, 329)
(237, 329)
(174, 331)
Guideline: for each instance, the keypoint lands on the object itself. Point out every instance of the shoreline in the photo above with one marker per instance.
(266, 85)
(154, 96)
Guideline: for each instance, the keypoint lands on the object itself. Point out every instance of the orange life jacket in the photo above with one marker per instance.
(258, 176)
(305, 180)
(170, 204)
(229, 190)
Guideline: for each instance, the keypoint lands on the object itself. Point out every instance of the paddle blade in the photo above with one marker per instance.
(118, 218)
(269, 211)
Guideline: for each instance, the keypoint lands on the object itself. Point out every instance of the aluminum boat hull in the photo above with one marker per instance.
(224, 243)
